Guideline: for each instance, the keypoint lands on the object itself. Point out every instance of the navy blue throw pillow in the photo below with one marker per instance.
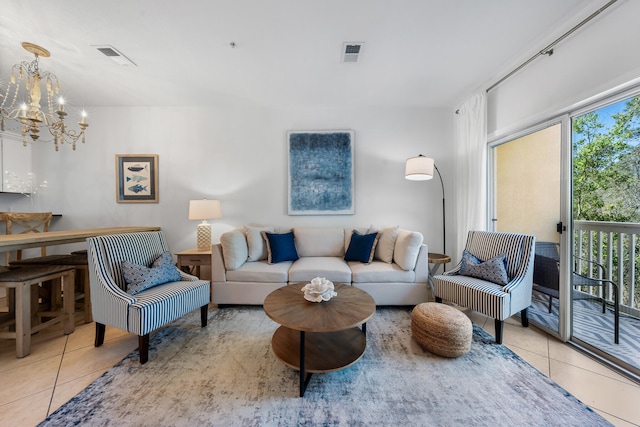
(280, 247)
(362, 247)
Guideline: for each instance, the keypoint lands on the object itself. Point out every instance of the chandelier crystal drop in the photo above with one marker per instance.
(29, 113)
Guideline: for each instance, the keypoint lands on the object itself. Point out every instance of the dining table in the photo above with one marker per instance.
(13, 242)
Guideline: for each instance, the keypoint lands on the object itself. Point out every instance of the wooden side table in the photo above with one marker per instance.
(436, 259)
(190, 262)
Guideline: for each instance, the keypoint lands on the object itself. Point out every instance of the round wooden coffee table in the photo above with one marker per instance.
(319, 336)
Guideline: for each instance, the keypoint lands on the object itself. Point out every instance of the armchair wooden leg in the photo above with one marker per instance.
(524, 318)
(143, 347)
(99, 334)
(203, 314)
(499, 326)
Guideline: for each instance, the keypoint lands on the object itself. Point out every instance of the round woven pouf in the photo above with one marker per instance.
(441, 329)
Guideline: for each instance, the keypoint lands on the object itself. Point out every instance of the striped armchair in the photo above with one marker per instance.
(149, 309)
(491, 299)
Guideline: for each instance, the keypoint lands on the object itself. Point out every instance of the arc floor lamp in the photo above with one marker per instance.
(421, 169)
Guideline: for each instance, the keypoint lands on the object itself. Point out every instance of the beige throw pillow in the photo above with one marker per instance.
(407, 248)
(255, 242)
(386, 244)
(234, 248)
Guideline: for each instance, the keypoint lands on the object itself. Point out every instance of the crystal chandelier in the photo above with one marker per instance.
(29, 113)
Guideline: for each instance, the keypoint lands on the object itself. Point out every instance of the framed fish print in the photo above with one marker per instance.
(137, 178)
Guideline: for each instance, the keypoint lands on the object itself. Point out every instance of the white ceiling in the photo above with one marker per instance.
(431, 53)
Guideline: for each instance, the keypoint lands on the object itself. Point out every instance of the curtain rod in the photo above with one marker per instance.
(549, 49)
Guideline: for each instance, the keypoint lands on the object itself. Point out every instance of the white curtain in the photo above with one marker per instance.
(471, 170)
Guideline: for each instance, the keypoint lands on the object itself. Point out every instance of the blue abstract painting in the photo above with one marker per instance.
(321, 173)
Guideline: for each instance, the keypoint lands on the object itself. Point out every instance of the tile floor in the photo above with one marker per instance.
(61, 366)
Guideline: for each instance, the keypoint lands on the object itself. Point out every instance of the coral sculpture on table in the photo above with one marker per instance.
(320, 289)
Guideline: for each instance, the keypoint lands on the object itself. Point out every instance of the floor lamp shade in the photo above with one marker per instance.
(419, 168)
(204, 209)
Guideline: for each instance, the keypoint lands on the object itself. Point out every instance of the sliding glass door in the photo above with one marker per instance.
(606, 231)
(574, 183)
(527, 196)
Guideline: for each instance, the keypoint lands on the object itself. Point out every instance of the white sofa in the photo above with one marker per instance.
(397, 275)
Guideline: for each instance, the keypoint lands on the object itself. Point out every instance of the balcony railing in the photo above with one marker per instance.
(615, 246)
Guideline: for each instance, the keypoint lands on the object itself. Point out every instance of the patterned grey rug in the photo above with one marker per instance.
(226, 374)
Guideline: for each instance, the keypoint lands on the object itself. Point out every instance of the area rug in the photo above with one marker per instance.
(226, 375)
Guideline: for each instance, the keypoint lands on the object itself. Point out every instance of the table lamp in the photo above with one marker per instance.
(204, 209)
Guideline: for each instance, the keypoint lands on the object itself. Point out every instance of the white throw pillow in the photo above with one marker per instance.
(234, 248)
(255, 242)
(407, 249)
(386, 244)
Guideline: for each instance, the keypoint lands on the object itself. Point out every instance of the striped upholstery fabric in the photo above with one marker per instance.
(161, 304)
(149, 309)
(137, 248)
(486, 297)
(476, 294)
(486, 245)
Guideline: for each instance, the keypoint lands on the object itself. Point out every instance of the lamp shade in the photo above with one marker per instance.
(419, 168)
(204, 209)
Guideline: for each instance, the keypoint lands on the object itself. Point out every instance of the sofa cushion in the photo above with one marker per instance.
(141, 277)
(260, 271)
(280, 247)
(407, 248)
(380, 272)
(386, 244)
(319, 241)
(362, 247)
(255, 242)
(331, 268)
(234, 248)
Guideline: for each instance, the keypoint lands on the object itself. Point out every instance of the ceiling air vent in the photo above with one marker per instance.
(351, 51)
(114, 54)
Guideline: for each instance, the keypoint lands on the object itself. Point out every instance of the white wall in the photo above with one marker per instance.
(599, 57)
(238, 155)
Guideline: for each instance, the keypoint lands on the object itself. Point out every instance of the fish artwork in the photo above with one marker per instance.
(138, 188)
(137, 168)
(136, 178)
